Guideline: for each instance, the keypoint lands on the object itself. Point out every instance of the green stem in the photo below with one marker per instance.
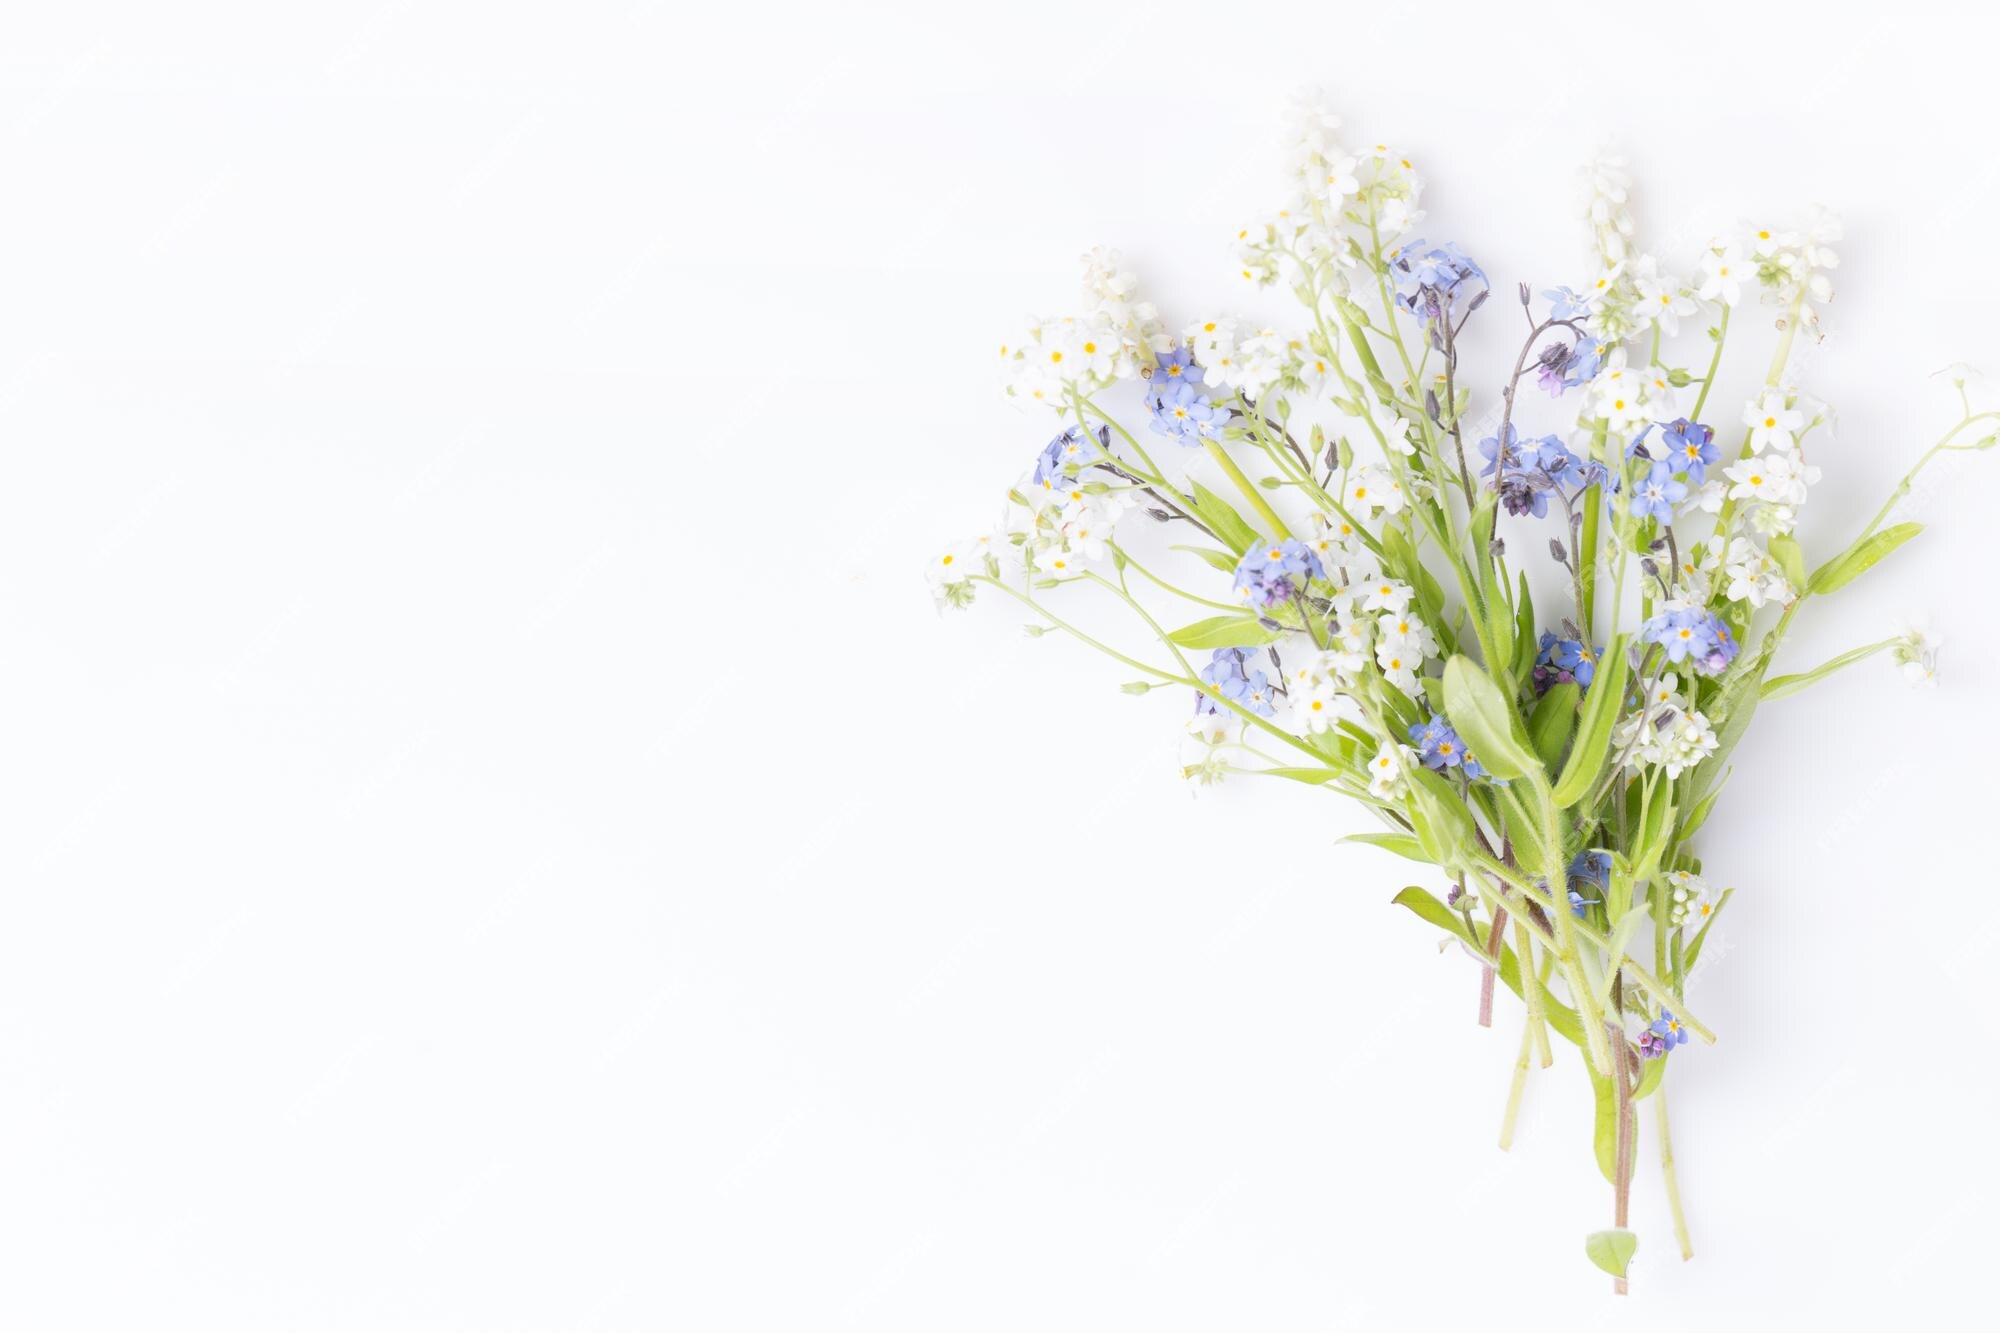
(1714, 361)
(1248, 487)
(1672, 1179)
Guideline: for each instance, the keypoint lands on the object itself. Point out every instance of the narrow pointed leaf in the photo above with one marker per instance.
(1225, 632)
(1593, 731)
(1861, 557)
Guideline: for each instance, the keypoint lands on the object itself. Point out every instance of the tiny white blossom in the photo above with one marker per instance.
(1374, 489)
(1385, 771)
(1772, 424)
(1385, 594)
(1917, 653)
(1723, 273)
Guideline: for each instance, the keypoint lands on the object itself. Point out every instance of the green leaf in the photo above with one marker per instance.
(1554, 718)
(1699, 815)
(1443, 824)
(1777, 687)
(1604, 1125)
(1227, 525)
(1221, 560)
(1859, 558)
(1402, 844)
(1487, 722)
(1611, 1250)
(1790, 559)
(1593, 733)
(1526, 642)
(1426, 905)
(1650, 1074)
(1694, 948)
(1312, 777)
(1225, 632)
(1621, 935)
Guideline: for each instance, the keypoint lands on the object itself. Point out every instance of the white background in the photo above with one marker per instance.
(496, 837)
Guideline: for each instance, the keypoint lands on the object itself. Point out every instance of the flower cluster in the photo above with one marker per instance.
(1436, 282)
(1271, 576)
(1560, 661)
(1370, 623)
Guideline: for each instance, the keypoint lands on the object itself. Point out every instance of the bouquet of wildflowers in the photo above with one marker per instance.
(1365, 525)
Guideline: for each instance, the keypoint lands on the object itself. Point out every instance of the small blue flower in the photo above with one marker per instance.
(1175, 367)
(1072, 448)
(1692, 635)
(1231, 671)
(1183, 413)
(1439, 748)
(1490, 447)
(1591, 866)
(1579, 905)
(1269, 576)
(1566, 304)
(1690, 448)
(1436, 281)
(1655, 495)
(1666, 1034)
(1564, 365)
(1562, 660)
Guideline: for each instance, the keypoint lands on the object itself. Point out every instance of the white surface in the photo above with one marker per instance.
(496, 838)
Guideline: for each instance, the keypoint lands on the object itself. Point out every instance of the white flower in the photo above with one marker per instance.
(1774, 478)
(1606, 204)
(1374, 489)
(1386, 769)
(1668, 734)
(1317, 703)
(1335, 541)
(1399, 669)
(1662, 299)
(1347, 656)
(1773, 520)
(1336, 180)
(1088, 522)
(1917, 653)
(1212, 728)
(1723, 272)
(1261, 361)
(1772, 424)
(1663, 400)
(950, 572)
(1393, 427)
(1699, 566)
(1619, 397)
(1385, 594)
(1405, 635)
(1212, 339)
(1753, 576)
(1687, 898)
